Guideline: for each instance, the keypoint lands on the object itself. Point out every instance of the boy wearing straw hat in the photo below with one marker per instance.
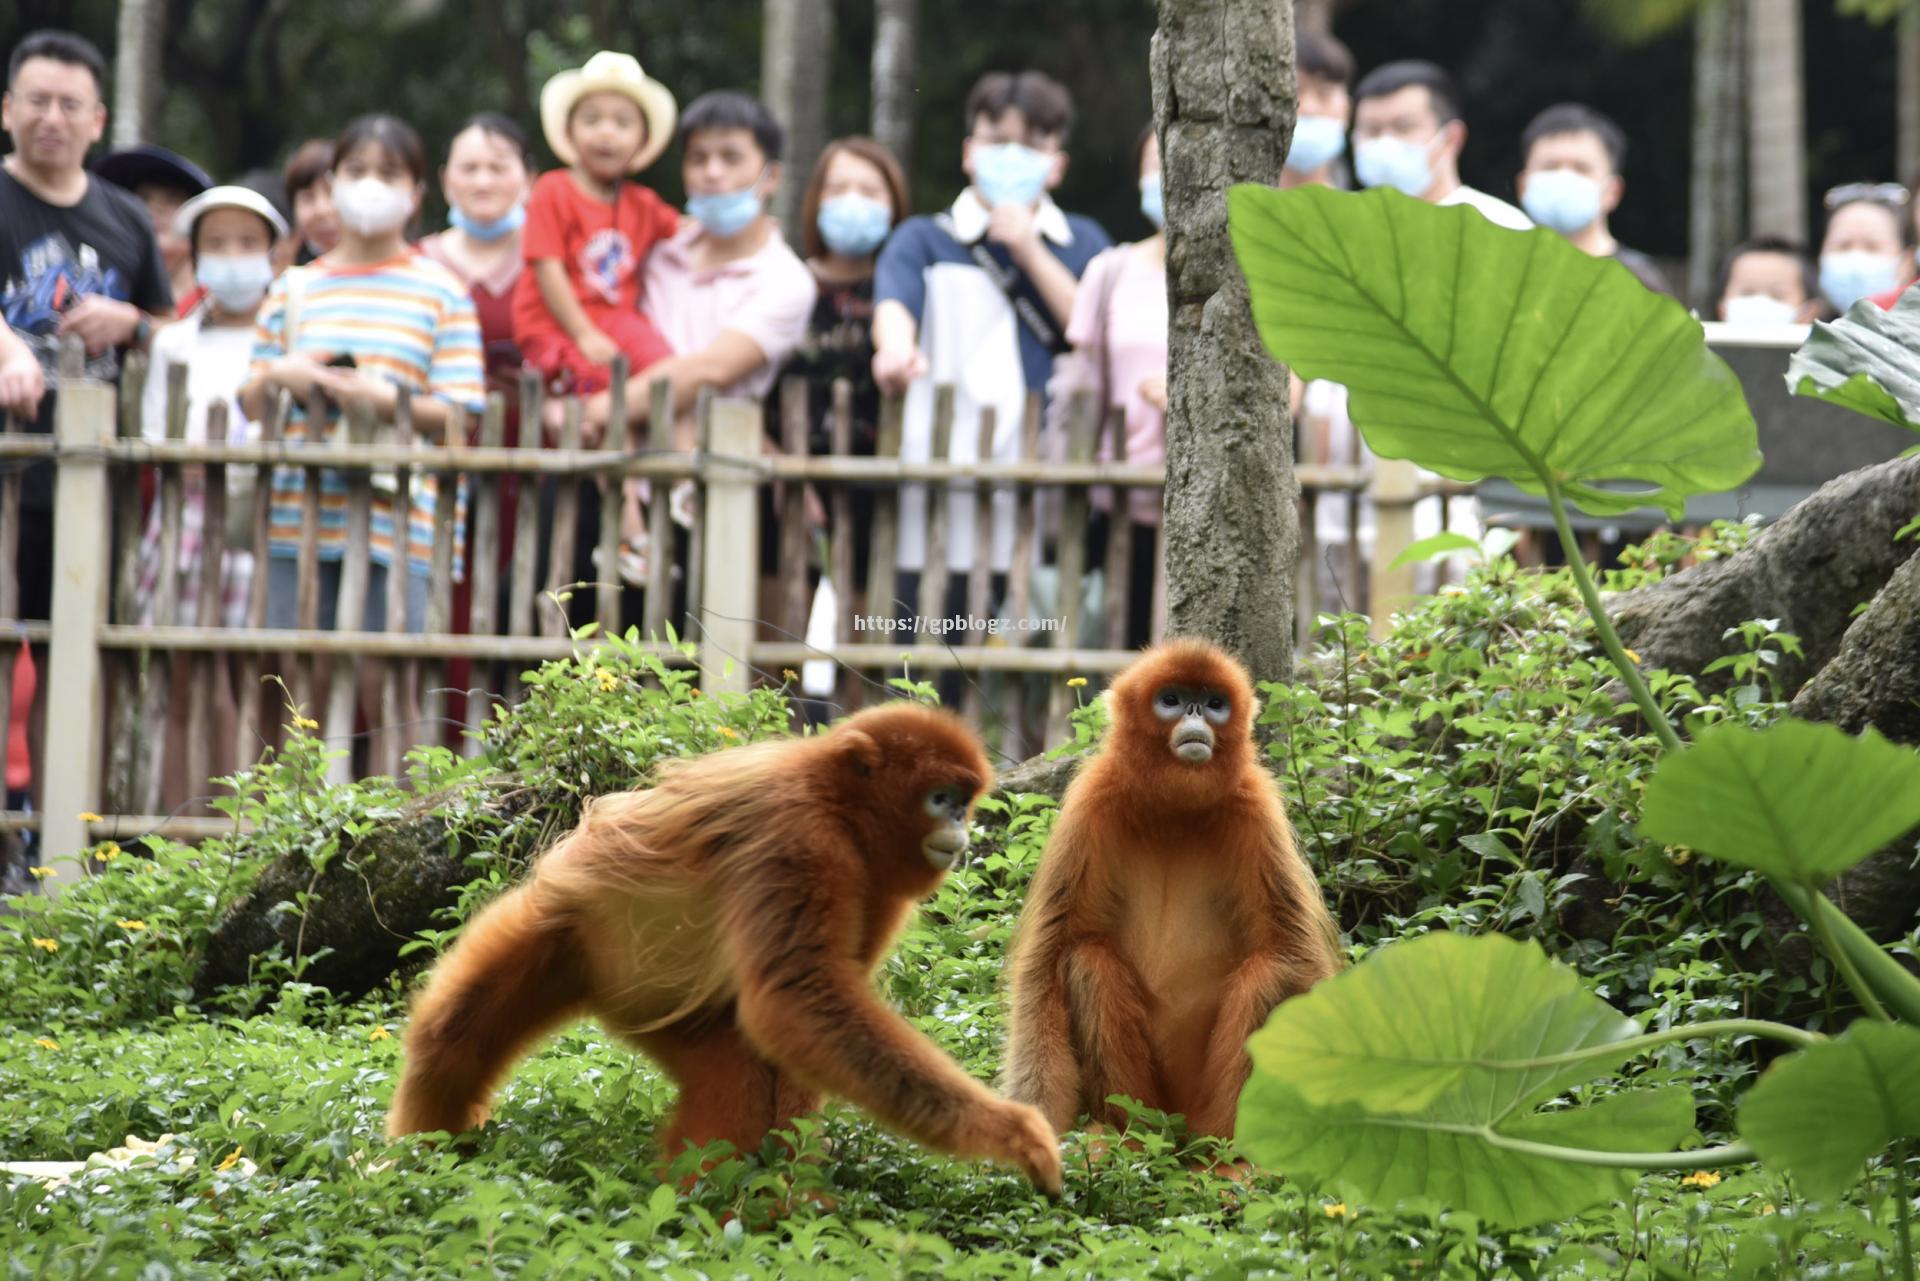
(589, 227)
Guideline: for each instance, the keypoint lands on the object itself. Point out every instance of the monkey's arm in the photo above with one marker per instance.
(806, 1004)
(1041, 1068)
(1256, 985)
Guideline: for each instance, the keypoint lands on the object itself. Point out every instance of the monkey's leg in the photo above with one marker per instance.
(511, 978)
(1259, 983)
(727, 1090)
(1109, 1012)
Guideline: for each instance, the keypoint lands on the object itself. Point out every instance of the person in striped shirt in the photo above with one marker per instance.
(365, 319)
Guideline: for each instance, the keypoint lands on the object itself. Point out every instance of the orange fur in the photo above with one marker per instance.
(1169, 915)
(728, 922)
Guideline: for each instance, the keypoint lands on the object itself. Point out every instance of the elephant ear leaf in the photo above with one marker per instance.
(1479, 351)
(1865, 361)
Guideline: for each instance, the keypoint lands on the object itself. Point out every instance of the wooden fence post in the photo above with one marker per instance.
(1395, 490)
(731, 526)
(84, 422)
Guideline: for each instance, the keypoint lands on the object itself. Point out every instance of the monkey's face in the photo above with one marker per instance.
(1193, 716)
(947, 806)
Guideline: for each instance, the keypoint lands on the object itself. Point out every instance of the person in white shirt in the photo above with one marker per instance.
(230, 233)
(1407, 134)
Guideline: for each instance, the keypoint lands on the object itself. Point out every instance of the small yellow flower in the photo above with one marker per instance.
(46, 1042)
(1701, 1179)
(1769, 1208)
(301, 722)
(40, 873)
(1338, 1210)
(107, 852)
(47, 945)
(788, 674)
(133, 927)
(727, 731)
(233, 1159)
(88, 816)
(1682, 856)
(608, 681)
(1075, 682)
(695, 692)
(1631, 656)
(379, 1034)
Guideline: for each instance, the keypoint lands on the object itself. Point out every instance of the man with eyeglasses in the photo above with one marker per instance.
(77, 257)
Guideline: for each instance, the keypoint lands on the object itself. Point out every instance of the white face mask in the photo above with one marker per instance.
(237, 282)
(371, 207)
(1760, 309)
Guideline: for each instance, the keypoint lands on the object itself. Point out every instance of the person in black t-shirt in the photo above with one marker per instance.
(1571, 158)
(77, 257)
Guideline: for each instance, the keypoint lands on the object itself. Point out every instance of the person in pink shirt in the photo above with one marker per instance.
(1119, 327)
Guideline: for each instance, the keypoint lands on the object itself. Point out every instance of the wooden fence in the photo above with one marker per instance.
(135, 692)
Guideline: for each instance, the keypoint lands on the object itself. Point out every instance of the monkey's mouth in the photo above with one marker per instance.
(1194, 746)
(943, 851)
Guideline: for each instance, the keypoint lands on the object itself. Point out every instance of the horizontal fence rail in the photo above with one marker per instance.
(154, 664)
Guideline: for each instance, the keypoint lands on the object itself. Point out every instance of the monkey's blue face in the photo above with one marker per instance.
(1193, 713)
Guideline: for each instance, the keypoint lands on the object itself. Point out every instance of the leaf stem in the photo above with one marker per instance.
(1903, 1196)
(1610, 639)
(1798, 1037)
(1697, 1159)
(1822, 921)
(1890, 980)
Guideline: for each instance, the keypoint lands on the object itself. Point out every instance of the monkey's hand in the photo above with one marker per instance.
(1018, 1135)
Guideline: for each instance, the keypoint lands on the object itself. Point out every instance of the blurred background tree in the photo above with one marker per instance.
(238, 83)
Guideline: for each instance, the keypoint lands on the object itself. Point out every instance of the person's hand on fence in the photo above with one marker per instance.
(101, 322)
(22, 383)
(295, 375)
(597, 347)
(895, 369)
(346, 387)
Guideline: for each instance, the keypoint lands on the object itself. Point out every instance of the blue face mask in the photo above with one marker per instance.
(1316, 141)
(1393, 162)
(1153, 201)
(505, 225)
(853, 225)
(1846, 278)
(1561, 199)
(1010, 174)
(726, 213)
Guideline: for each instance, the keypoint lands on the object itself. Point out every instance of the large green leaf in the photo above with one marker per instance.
(1800, 801)
(1819, 1114)
(1450, 1155)
(1868, 360)
(1478, 351)
(1443, 1015)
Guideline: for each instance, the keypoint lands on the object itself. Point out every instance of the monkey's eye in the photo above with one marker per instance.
(1169, 699)
(1216, 704)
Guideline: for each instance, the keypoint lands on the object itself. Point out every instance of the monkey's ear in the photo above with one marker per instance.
(1253, 710)
(859, 751)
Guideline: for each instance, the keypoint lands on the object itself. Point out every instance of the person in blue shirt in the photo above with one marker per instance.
(978, 297)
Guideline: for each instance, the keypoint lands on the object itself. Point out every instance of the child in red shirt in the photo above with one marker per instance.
(588, 227)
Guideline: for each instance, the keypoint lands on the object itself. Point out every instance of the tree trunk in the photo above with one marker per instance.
(1224, 103)
(136, 70)
(796, 66)
(1777, 123)
(896, 27)
(1715, 199)
(1907, 77)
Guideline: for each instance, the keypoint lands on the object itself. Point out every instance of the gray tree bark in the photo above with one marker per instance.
(1716, 204)
(796, 66)
(1314, 15)
(896, 28)
(1224, 103)
(1777, 120)
(136, 70)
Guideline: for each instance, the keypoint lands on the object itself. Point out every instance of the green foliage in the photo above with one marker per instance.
(1820, 1114)
(1501, 353)
(1864, 361)
(1800, 802)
